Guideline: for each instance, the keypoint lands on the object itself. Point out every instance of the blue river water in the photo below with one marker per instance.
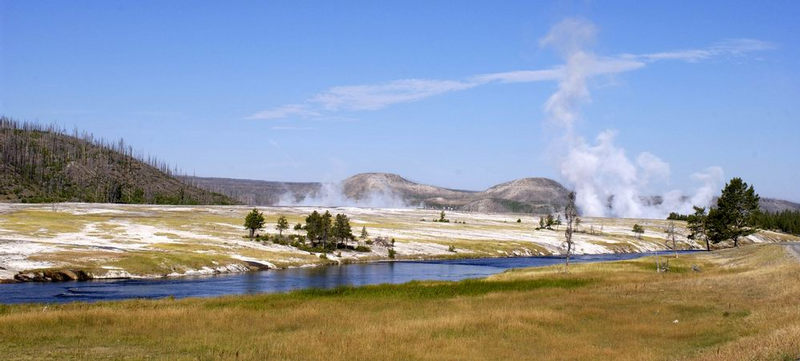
(281, 280)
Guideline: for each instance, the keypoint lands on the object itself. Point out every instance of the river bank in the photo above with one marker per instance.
(284, 280)
(47, 242)
(525, 314)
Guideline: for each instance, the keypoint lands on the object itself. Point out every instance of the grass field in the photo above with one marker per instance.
(111, 240)
(742, 305)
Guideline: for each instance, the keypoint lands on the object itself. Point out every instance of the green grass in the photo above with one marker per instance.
(742, 306)
(163, 263)
(428, 290)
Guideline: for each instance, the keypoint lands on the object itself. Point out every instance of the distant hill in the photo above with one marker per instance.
(776, 205)
(44, 164)
(526, 195)
(537, 195)
(256, 192)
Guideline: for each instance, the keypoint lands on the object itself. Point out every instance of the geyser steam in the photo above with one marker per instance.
(606, 181)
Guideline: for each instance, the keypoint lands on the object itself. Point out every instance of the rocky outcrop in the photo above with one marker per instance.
(53, 276)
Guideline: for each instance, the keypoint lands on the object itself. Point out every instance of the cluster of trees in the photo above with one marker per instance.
(442, 218)
(46, 164)
(323, 228)
(785, 221)
(734, 216)
(675, 216)
(548, 221)
(325, 232)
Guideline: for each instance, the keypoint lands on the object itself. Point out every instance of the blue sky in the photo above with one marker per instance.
(309, 91)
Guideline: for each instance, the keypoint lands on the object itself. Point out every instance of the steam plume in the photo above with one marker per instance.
(606, 181)
(331, 194)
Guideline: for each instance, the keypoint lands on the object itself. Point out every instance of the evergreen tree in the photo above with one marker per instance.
(696, 223)
(734, 216)
(341, 229)
(549, 221)
(639, 230)
(254, 221)
(325, 228)
(364, 233)
(313, 227)
(282, 225)
(784, 221)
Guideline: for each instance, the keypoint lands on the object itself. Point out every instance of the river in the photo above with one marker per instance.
(281, 280)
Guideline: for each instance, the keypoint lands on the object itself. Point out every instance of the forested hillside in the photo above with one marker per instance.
(44, 164)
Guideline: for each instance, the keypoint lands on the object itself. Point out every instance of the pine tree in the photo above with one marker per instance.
(696, 223)
(734, 216)
(341, 229)
(325, 228)
(313, 227)
(282, 225)
(639, 230)
(254, 221)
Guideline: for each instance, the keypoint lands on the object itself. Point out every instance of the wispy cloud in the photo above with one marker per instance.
(519, 76)
(372, 97)
(285, 111)
(378, 96)
(731, 47)
(289, 127)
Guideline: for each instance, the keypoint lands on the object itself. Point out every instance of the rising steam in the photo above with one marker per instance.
(606, 181)
(331, 194)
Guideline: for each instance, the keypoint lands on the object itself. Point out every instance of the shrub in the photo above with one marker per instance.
(363, 249)
(392, 253)
(451, 248)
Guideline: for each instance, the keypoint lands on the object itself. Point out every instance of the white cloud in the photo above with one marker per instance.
(520, 76)
(372, 97)
(731, 47)
(289, 127)
(284, 112)
(568, 37)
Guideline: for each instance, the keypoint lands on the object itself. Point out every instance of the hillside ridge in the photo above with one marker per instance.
(44, 164)
(523, 195)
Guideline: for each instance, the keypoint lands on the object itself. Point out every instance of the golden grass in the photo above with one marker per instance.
(41, 222)
(742, 306)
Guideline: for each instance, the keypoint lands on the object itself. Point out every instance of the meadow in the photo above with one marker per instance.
(733, 304)
(113, 241)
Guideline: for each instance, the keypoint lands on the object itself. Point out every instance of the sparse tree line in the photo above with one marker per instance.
(46, 164)
(548, 221)
(443, 219)
(735, 216)
(324, 233)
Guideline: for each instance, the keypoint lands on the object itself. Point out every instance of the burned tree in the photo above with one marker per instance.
(571, 215)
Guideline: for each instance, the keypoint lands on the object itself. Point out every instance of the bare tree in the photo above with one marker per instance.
(571, 215)
(671, 236)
